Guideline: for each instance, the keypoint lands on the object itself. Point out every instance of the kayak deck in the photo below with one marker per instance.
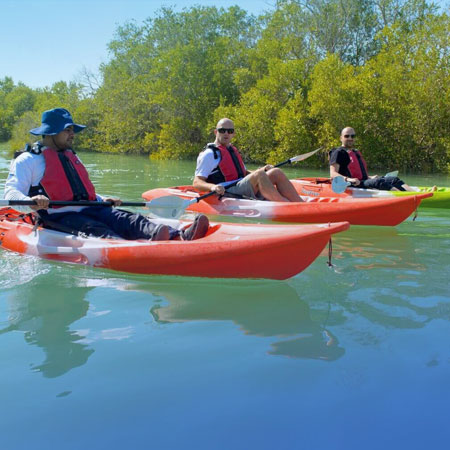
(314, 209)
(227, 251)
(440, 197)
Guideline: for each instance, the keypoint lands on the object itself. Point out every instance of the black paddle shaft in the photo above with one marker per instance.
(73, 203)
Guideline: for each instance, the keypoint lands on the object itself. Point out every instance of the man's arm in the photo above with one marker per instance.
(201, 184)
(206, 164)
(25, 171)
(334, 172)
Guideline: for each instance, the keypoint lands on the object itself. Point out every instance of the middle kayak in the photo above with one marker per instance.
(314, 209)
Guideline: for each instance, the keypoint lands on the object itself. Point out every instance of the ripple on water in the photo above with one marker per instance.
(20, 269)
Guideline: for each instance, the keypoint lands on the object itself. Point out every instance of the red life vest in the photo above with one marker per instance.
(357, 166)
(231, 167)
(65, 178)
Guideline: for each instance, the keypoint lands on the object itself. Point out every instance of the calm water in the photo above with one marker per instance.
(353, 357)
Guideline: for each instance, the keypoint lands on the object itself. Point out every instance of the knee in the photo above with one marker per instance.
(276, 174)
(257, 175)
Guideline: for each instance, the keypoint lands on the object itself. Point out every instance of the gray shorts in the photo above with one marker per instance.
(244, 188)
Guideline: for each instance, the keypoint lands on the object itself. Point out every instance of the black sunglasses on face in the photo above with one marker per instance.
(349, 136)
(225, 130)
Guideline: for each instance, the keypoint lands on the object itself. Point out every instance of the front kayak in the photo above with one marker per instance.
(227, 251)
(322, 187)
(314, 209)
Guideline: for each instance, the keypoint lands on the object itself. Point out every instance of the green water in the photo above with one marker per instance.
(352, 357)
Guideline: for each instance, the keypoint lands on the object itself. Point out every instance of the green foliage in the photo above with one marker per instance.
(172, 72)
(257, 115)
(290, 79)
(398, 103)
(20, 134)
(293, 131)
(14, 101)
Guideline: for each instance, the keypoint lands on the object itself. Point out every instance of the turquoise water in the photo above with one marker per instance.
(356, 356)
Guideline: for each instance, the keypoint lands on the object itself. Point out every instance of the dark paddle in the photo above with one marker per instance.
(160, 205)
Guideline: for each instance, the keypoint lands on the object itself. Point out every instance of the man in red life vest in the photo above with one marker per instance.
(51, 170)
(348, 162)
(220, 162)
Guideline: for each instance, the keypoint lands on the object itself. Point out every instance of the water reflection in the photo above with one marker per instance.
(269, 309)
(384, 276)
(44, 309)
(379, 247)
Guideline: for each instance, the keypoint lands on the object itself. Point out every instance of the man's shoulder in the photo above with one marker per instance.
(209, 150)
(337, 151)
(27, 157)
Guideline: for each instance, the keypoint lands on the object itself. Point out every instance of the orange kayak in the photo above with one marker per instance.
(227, 251)
(314, 209)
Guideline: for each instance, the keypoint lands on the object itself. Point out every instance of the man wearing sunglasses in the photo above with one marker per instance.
(220, 162)
(348, 162)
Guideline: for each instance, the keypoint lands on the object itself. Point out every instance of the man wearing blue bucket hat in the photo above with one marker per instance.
(51, 170)
(54, 121)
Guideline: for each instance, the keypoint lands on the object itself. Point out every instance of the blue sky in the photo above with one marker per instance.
(44, 41)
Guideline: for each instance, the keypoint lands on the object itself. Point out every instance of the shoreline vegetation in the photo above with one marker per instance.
(290, 79)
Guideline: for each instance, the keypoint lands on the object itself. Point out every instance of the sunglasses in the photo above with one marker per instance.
(225, 130)
(349, 136)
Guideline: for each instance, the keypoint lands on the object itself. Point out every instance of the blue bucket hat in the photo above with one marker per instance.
(54, 121)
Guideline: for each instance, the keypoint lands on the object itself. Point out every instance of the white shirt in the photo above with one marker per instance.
(25, 171)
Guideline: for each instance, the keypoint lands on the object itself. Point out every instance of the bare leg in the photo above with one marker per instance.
(283, 185)
(274, 187)
(262, 184)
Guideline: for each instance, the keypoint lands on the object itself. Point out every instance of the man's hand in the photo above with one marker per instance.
(41, 202)
(114, 201)
(218, 189)
(267, 167)
(353, 181)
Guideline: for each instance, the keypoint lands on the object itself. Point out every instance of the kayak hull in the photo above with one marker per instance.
(315, 209)
(227, 251)
(440, 198)
(322, 187)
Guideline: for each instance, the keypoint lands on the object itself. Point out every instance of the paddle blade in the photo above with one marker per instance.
(171, 207)
(304, 156)
(339, 185)
(394, 173)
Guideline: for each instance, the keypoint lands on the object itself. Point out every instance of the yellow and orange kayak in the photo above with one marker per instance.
(314, 209)
(227, 251)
